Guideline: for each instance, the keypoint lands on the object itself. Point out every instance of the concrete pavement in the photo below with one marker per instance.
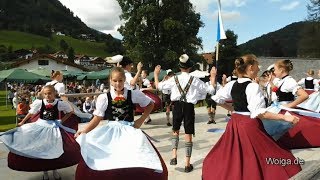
(206, 136)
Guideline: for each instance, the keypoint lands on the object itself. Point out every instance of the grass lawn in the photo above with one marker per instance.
(20, 40)
(7, 115)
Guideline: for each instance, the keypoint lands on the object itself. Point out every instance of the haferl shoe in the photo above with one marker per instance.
(173, 161)
(211, 122)
(147, 122)
(188, 168)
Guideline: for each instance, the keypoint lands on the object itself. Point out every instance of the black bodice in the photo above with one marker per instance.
(239, 97)
(122, 111)
(49, 112)
(309, 84)
(284, 96)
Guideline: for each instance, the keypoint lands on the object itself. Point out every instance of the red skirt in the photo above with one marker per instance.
(305, 134)
(70, 157)
(154, 97)
(83, 172)
(309, 91)
(246, 151)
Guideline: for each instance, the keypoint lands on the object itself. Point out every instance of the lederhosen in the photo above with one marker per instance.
(239, 97)
(166, 99)
(121, 112)
(182, 110)
(309, 84)
(49, 113)
(210, 102)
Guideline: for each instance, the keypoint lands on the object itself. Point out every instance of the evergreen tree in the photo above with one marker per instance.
(159, 31)
(309, 45)
(63, 45)
(71, 55)
(228, 52)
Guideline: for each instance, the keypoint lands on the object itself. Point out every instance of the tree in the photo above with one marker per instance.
(309, 45)
(63, 45)
(314, 10)
(71, 55)
(158, 32)
(228, 52)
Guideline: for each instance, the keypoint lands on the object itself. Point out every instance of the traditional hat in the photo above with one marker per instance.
(270, 67)
(125, 61)
(114, 59)
(184, 62)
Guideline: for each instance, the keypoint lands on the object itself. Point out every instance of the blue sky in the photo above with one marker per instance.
(252, 19)
(247, 18)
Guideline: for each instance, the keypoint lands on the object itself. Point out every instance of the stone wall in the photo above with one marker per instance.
(300, 66)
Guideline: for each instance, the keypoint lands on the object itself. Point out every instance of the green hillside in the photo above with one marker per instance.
(20, 40)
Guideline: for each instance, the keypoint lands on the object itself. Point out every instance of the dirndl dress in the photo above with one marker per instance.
(42, 145)
(245, 151)
(301, 135)
(118, 151)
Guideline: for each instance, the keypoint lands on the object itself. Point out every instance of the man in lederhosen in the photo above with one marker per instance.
(185, 92)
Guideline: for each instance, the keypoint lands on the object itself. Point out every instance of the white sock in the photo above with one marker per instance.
(56, 175)
(45, 175)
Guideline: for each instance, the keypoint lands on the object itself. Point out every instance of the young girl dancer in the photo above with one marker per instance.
(118, 149)
(45, 144)
(290, 95)
(244, 150)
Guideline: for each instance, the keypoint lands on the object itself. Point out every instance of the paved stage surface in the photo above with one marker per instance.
(206, 137)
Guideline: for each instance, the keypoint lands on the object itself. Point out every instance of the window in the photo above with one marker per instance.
(43, 62)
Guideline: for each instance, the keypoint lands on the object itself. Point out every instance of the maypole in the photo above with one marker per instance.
(220, 32)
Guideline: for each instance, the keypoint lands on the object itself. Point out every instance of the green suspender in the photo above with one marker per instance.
(186, 89)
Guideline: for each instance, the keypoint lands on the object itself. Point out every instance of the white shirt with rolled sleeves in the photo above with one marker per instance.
(62, 106)
(128, 79)
(137, 97)
(255, 98)
(58, 86)
(197, 89)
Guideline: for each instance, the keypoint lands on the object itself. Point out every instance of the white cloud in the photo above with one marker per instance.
(227, 15)
(290, 6)
(102, 15)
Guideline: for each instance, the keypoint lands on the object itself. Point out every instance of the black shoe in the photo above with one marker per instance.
(188, 168)
(211, 122)
(147, 122)
(169, 124)
(228, 115)
(173, 161)
(58, 178)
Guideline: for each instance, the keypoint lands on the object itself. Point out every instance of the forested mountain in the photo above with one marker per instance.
(42, 17)
(285, 42)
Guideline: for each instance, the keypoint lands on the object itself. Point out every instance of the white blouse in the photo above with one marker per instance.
(60, 87)
(62, 106)
(137, 97)
(255, 98)
(128, 79)
(197, 89)
(288, 84)
(315, 82)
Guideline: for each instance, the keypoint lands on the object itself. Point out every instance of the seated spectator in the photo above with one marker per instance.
(22, 109)
(87, 105)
